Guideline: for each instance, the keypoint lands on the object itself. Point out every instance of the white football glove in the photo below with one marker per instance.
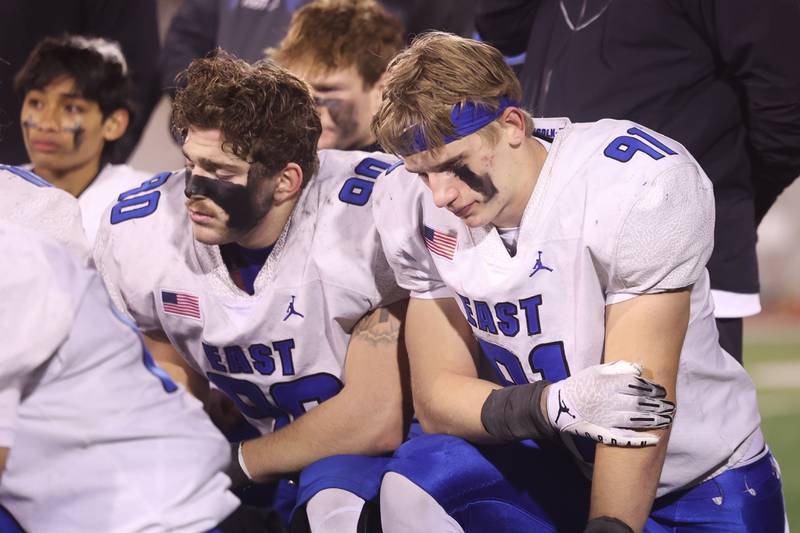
(606, 402)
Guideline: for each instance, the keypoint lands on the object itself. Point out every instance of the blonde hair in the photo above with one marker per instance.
(424, 83)
(335, 34)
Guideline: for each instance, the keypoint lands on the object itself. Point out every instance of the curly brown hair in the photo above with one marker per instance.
(266, 116)
(336, 34)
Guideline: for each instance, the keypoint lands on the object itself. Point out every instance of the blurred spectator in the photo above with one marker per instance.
(75, 108)
(245, 28)
(342, 48)
(720, 76)
(133, 24)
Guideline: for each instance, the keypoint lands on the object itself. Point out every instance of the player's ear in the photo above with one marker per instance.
(115, 124)
(288, 182)
(514, 125)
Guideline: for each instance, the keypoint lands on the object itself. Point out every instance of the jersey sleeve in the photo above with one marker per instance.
(666, 237)
(129, 294)
(397, 208)
(37, 305)
(32, 203)
(128, 255)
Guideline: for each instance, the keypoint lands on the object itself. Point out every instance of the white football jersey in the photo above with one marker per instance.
(104, 189)
(281, 351)
(112, 181)
(617, 211)
(30, 201)
(100, 439)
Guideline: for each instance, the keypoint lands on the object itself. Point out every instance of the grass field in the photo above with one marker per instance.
(772, 356)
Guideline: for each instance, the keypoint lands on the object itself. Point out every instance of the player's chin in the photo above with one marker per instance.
(476, 220)
(210, 234)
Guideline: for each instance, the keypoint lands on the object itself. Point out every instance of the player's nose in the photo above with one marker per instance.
(441, 185)
(46, 118)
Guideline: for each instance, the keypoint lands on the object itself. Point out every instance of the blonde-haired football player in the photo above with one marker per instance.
(562, 254)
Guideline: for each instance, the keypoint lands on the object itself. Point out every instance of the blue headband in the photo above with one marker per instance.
(466, 118)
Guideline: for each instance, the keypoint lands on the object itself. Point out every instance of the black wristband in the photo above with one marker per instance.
(607, 524)
(238, 478)
(513, 413)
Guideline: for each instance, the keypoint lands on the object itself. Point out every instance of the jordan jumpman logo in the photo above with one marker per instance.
(562, 408)
(291, 310)
(539, 266)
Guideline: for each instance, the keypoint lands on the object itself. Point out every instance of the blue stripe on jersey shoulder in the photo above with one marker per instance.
(394, 166)
(27, 175)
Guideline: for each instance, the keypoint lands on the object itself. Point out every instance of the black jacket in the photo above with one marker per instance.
(246, 29)
(722, 77)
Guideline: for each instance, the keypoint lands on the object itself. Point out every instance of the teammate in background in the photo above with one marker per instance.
(93, 435)
(341, 48)
(76, 93)
(270, 283)
(561, 254)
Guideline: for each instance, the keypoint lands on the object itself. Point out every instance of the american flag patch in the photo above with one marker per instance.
(440, 243)
(181, 304)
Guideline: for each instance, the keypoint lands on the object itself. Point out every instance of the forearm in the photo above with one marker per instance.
(452, 404)
(366, 418)
(341, 425)
(651, 329)
(448, 394)
(168, 358)
(624, 481)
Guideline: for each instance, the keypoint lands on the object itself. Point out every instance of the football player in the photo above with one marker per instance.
(341, 49)
(75, 105)
(93, 435)
(260, 264)
(562, 254)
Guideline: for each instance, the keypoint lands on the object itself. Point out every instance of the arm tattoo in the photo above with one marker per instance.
(378, 327)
